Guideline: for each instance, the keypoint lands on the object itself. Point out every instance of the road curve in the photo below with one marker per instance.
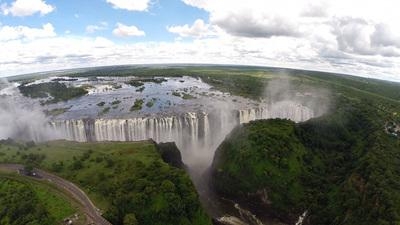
(91, 211)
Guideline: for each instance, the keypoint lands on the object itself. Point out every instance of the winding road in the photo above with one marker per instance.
(88, 207)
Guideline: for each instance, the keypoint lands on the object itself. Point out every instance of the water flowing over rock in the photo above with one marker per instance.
(284, 109)
(197, 134)
(301, 218)
(73, 130)
(246, 218)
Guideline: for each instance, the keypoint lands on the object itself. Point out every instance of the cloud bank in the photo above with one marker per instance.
(360, 37)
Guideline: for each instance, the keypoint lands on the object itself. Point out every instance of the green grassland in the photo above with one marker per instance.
(122, 178)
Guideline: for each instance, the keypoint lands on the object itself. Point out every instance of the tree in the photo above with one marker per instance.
(130, 219)
(28, 168)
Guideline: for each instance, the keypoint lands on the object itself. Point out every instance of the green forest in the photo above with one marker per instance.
(27, 201)
(129, 181)
(342, 168)
(20, 205)
(54, 90)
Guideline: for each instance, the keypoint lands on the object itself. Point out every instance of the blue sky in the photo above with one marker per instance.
(73, 16)
(360, 37)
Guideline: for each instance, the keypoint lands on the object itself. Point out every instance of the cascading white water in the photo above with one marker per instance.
(284, 109)
(190, 131)
(73, 130)
(197, 134)
(246, 218)
(301, 218)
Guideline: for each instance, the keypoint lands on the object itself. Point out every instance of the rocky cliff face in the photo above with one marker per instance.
(170, 154)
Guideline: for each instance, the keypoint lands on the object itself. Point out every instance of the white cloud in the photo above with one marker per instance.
(46, 54)
(8, 33)
(93, 28)
(349, 36)
(360, 37)
(202, 4)
(384, 36)
(123, 30)
(315, 9)
(266, 18)
(131, 5)
(246, 23)
(198, 29)
(27, 8)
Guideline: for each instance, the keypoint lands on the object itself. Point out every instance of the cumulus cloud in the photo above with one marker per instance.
(8, 33)
(253, 18)
(358, 36)
(245, 23)
(96, 27)
(27, 8)
(315, 9)
(384, 36)
(353, 35)
(131, 5)
(340, 35)
(123, 30)
(198, 29)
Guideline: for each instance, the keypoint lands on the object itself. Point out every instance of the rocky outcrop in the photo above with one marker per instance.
(170, 154)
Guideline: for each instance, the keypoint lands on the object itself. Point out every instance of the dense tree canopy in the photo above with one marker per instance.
(19, 205)
(342, 168)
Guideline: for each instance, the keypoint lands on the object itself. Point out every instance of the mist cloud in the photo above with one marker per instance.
(282, 92)
(18, 121)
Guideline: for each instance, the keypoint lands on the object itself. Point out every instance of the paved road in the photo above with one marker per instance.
(89, 208)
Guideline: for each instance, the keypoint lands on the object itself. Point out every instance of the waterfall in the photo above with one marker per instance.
(193, 127)
(284, 109)
(301, 218)
(190, 131)
(73, 130)
(246, 218)
(197, 134)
